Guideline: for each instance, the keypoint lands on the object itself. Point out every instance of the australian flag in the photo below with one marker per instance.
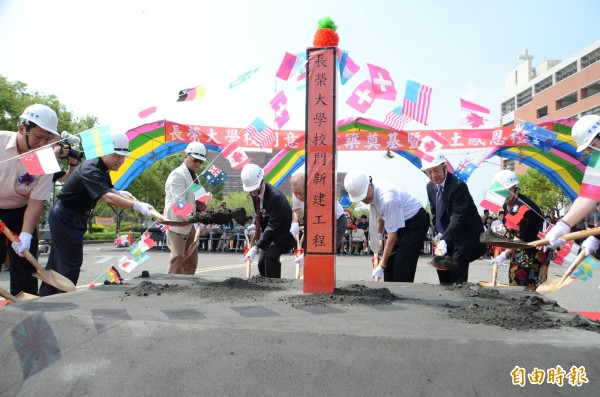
(214, 175)
(464, 170)
(537, 136)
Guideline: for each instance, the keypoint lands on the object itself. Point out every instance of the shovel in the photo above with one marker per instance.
(49, 276)
(246, 249)
(20, 297)
(194, 244)
(498, 241)
(297, 252)
(558, 282)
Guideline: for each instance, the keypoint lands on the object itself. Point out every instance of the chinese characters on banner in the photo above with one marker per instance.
(380, 138)
(320, 166)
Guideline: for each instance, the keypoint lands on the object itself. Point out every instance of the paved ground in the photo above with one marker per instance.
(578, 296)
(208, 337)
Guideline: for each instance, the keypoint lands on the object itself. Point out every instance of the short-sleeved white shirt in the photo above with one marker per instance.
(394, 206)
(16, 185)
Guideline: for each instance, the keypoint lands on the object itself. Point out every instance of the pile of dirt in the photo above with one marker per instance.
(524, 313)
(230, 290)
(355, 294)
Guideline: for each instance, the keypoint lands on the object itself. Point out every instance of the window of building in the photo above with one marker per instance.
(590, 58)
(590, 90)
(509, 164)
(566, 71)
(595, 110)
(508, 106)
(566, 100)
(510, 123)
(542, 85)
(524, 97)
(542, 112)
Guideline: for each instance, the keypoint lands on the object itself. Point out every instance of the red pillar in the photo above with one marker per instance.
(320, 169)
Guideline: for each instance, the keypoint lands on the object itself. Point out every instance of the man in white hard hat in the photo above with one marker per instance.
(274, 237)
(178, 194)
(22, 196)
(297, 181)
(586, 133)
(401, 215)
(456, 222)
(79, 195)
(527, 267)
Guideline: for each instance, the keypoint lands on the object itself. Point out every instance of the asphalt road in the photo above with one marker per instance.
(578, 296)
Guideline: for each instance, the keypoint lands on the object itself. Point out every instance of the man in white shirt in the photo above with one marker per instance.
(398, 213)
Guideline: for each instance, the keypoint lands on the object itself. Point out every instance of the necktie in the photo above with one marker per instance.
(258, 218)
(439, 209)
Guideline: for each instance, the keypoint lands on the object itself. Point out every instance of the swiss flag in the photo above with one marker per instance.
(279, 105)
(382, 83)
(236, 156)
(362, 98)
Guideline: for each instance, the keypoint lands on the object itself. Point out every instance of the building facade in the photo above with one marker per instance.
(552, 90)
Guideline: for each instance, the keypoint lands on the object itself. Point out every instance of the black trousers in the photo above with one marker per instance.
(269, 263)
(460, 274)
(66, 256)
(402, 265)
(21, 271)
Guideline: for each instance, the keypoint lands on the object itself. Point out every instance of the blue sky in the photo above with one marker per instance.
(114, 58)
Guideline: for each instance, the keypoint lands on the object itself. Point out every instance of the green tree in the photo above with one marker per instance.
(15, 97)
(542, 191)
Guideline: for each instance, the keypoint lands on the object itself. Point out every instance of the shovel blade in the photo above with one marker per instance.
(553, 285)
(55, 279)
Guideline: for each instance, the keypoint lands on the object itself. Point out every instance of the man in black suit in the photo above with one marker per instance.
(272, 235)
(456, 222)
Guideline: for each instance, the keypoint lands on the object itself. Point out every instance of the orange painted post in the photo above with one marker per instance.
(130, 235)
(320, 169)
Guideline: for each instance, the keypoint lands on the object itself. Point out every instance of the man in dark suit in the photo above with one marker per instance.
(272, 235)
(456, 222)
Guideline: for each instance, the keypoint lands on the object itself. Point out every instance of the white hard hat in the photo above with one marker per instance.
(506, 178)
(42, 116)
(121, 143)
(437, 160)
(585, 130)
(252, 176)
(196, 150)
(356, 184)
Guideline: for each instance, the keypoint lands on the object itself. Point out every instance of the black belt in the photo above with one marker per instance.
(78, 212)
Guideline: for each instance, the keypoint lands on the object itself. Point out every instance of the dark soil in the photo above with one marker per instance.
(353, 295)
(524, 313)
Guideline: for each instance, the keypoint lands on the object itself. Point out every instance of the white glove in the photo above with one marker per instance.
(299, 260)
(23, 244)
(437, 238)
(441, 249)
(553, 236)
(499, 259)
(143, 208)
(377, 272)
(590, 245)
(126, 194)
(251, 254)
(295, 229)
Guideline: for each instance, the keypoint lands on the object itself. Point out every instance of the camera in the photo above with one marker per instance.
(71, 140)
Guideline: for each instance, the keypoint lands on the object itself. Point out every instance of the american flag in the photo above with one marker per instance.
(395, 119)
(261, 133)
(416, 101)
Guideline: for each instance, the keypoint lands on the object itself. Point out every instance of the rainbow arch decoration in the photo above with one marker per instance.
(147, 145)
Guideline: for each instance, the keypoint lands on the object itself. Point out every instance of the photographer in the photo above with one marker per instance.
(64, 150)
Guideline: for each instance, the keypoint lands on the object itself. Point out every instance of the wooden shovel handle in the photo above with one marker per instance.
(158, 215)
(569, 236)
(26, 253)
(8, 296)
(572, 268)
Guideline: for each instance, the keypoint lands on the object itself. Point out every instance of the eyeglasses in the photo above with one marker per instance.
(196, 161)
